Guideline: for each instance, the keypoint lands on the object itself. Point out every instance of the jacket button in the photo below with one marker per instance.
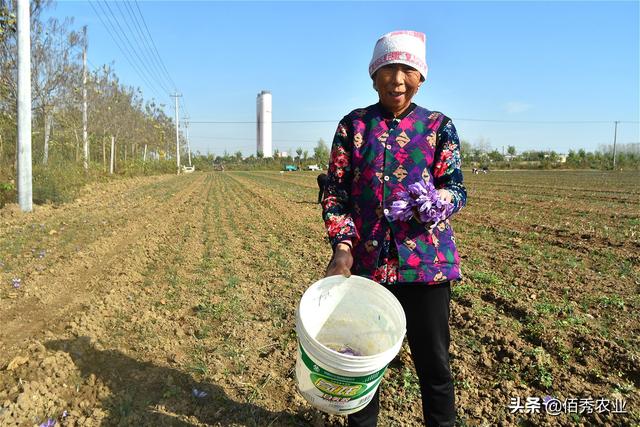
(386, 211)
(388, 146)
(386, 177)
(374, 242)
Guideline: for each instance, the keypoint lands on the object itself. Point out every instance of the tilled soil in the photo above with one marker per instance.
(170, 301)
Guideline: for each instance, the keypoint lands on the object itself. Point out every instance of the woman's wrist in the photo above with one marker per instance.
(344, 245)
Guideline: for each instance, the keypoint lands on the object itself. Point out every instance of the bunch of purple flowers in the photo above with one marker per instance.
(422, 201)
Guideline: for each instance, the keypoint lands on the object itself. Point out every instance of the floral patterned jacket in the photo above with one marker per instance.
(370, 163)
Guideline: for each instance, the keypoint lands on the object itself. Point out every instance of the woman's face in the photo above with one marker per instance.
(396, 84)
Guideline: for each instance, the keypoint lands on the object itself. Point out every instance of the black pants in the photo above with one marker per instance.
(427, 312)
(322, 184)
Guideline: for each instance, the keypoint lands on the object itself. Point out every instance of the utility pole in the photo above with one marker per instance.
(165, 144)
(85, 136)
(615, 135)
(186, 130)
(176, 96)
(113, 146)
(25, 181)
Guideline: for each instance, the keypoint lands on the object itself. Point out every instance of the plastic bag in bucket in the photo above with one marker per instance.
(349, 330)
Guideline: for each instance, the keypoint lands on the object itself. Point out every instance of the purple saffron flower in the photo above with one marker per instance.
(422, 201)
(41, 254)
(349, 351)
(200, 394)
(401, 210)
(65, 414)
(48, 423)
(16, 282)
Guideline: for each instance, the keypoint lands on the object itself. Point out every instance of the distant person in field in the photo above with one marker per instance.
(377, 152)
(322, 183)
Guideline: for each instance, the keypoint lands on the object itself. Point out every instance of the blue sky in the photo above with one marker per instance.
(530, 62)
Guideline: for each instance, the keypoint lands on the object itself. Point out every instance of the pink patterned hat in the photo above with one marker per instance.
(400, 47)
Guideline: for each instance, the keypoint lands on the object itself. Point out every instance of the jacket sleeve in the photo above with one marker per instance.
(336, 205)
(447, 170)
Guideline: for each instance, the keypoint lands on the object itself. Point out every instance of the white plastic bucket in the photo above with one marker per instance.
(356, 313)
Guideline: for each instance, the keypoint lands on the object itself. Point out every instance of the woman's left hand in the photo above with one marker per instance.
(445, 195)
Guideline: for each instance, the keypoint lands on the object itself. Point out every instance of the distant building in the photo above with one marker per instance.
(264, 125)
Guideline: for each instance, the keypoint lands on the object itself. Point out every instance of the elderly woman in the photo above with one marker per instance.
(377, 152)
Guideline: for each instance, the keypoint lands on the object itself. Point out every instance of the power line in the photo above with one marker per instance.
(148, 41)
(136, 36)
(142, 37)
(185, 111)
(127, 42)
(154, 46)
(111, 30)
(275, 121)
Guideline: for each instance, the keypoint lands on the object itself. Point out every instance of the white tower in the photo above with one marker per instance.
(263, 121)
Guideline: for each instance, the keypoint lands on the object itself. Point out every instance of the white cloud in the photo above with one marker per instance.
(514, 107)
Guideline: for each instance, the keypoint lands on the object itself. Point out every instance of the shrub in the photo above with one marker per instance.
(56, 183)
(7, 193)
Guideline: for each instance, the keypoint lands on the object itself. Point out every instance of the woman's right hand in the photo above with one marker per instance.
(341, 262)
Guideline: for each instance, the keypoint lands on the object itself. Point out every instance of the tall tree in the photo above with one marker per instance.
(299, 155)
(321, 152)
(8, 67)
(53, 58)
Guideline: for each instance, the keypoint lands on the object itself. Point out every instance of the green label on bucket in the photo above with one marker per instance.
(338, 386)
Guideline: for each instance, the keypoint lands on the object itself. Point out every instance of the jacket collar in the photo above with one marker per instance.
(387, 115)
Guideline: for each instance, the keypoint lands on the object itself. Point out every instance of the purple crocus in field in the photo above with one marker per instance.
(48, 423)
(200, 394)
(42, 253)
(422, 201)
(16, 282)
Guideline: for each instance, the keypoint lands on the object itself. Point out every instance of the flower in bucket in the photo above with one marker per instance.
(421, 200)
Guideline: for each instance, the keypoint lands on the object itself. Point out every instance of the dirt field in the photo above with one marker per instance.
(145, 289)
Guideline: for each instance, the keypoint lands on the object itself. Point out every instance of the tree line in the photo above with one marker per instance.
(300, 158)
(144, 136)
(481, 155)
